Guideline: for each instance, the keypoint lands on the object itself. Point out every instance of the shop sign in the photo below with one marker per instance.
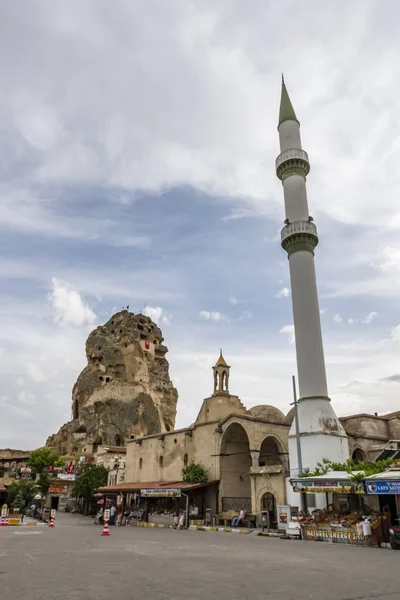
(66, 476)
(107, 514)
(383, 487)
(335, 486)
(327, 534)
(166, 493)
(58, 489)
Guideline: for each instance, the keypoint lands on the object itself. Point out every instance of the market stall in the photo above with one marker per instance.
(350, 516)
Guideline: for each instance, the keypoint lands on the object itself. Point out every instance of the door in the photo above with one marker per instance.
(268, 503)
(54, 502)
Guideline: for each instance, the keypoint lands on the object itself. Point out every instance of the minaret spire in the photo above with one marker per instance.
(324, 436)
(286, 110)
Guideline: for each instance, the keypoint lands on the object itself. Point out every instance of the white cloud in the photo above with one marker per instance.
(350, 321)
(68, 306)
(396, 333)
(323, 311)
(233, 300)
(283, 293)
(246, 315)
(370, 317)
(158, 315)
(212, 315)
(289, 331)
(337, 318)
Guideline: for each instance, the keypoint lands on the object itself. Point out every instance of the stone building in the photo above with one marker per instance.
(369, 434)
(244, 450)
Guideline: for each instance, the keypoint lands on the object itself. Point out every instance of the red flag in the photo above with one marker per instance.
(147, 345)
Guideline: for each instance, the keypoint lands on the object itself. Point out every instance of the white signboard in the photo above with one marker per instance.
(107, 514)
(53, 513)
(4, 510)
(66, 476)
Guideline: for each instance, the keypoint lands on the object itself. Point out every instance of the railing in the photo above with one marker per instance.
(299, 227)
(235, 504)
(292, 153)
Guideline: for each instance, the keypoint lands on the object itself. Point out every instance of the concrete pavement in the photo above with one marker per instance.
(72, 561)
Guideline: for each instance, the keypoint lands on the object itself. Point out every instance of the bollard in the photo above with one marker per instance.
(105, 531)
(52, 518)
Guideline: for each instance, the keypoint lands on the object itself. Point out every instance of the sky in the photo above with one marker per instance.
(137, 149)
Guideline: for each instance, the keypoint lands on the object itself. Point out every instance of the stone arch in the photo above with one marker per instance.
(235, 465)
(359, 455)
(271, 452)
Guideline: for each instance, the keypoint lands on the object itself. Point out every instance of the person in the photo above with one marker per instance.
(242, 515)
(113, 511)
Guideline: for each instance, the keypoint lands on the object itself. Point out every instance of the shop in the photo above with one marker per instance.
(160, 502)
(350, 516)
(385, 487)
(59, 494)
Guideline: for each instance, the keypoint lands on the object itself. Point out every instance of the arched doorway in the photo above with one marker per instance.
(235, 469)
(268, 503)
(359, 455)
(270, 453)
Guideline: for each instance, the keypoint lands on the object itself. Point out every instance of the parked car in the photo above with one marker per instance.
(394, 538)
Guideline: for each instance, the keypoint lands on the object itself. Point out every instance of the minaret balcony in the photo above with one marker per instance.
(299, 235)
(292, 162)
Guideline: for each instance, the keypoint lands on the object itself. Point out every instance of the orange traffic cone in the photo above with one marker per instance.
(105, 529)
(3, 522)
(51, 524)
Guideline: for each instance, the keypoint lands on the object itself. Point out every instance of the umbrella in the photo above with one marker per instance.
(100, 501)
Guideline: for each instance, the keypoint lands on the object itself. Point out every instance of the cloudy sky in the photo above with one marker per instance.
(137, 148)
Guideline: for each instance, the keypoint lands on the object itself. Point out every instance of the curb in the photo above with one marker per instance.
(154, 525)
(29, 524)
(224, 529)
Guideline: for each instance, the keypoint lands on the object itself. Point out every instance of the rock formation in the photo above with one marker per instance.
(124, 391)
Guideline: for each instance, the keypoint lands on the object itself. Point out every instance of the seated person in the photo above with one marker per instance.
(242, 515)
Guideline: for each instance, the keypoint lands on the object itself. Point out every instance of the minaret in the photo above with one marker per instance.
(321, 433)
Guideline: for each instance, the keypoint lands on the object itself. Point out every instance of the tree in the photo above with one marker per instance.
(44, 458)
(90, 479)
(26, 488)
(194, 473)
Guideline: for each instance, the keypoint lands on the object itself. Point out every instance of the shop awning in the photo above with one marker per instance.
(338, 482)
(153, 485)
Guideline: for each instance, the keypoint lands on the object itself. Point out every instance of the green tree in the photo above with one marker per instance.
(24, 487)
(19, 503)
(90, 479)
(44, 458)
(194, 473)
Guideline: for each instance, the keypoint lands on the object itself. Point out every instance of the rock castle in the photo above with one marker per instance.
(124, 391)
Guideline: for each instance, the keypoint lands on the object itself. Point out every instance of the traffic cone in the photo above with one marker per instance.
(51, 524)
(105, 529)
(3, 522)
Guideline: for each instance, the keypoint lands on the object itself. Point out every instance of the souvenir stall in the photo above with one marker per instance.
(350, 516)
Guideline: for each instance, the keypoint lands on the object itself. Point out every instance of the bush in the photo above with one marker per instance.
(194, 473)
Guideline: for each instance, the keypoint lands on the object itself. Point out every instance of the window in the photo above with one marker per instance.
(107, 379)
(140, 463)
(161, 462)
(185, 460)
(118, 440)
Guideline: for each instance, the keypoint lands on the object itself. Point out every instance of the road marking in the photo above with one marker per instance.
(27, 532)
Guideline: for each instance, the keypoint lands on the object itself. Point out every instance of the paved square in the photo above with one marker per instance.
(74, 562)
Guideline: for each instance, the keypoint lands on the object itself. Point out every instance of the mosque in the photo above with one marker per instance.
(249, 454)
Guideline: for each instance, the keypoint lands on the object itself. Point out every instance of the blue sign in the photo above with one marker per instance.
(383, 487)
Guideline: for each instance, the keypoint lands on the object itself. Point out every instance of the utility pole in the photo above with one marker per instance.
(303, 499)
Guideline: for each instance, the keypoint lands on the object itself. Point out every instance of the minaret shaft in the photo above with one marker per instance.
(321, 433)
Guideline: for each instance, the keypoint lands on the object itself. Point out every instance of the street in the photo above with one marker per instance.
(72, 561)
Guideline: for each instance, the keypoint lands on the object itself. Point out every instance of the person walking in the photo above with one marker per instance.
(113, 512)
